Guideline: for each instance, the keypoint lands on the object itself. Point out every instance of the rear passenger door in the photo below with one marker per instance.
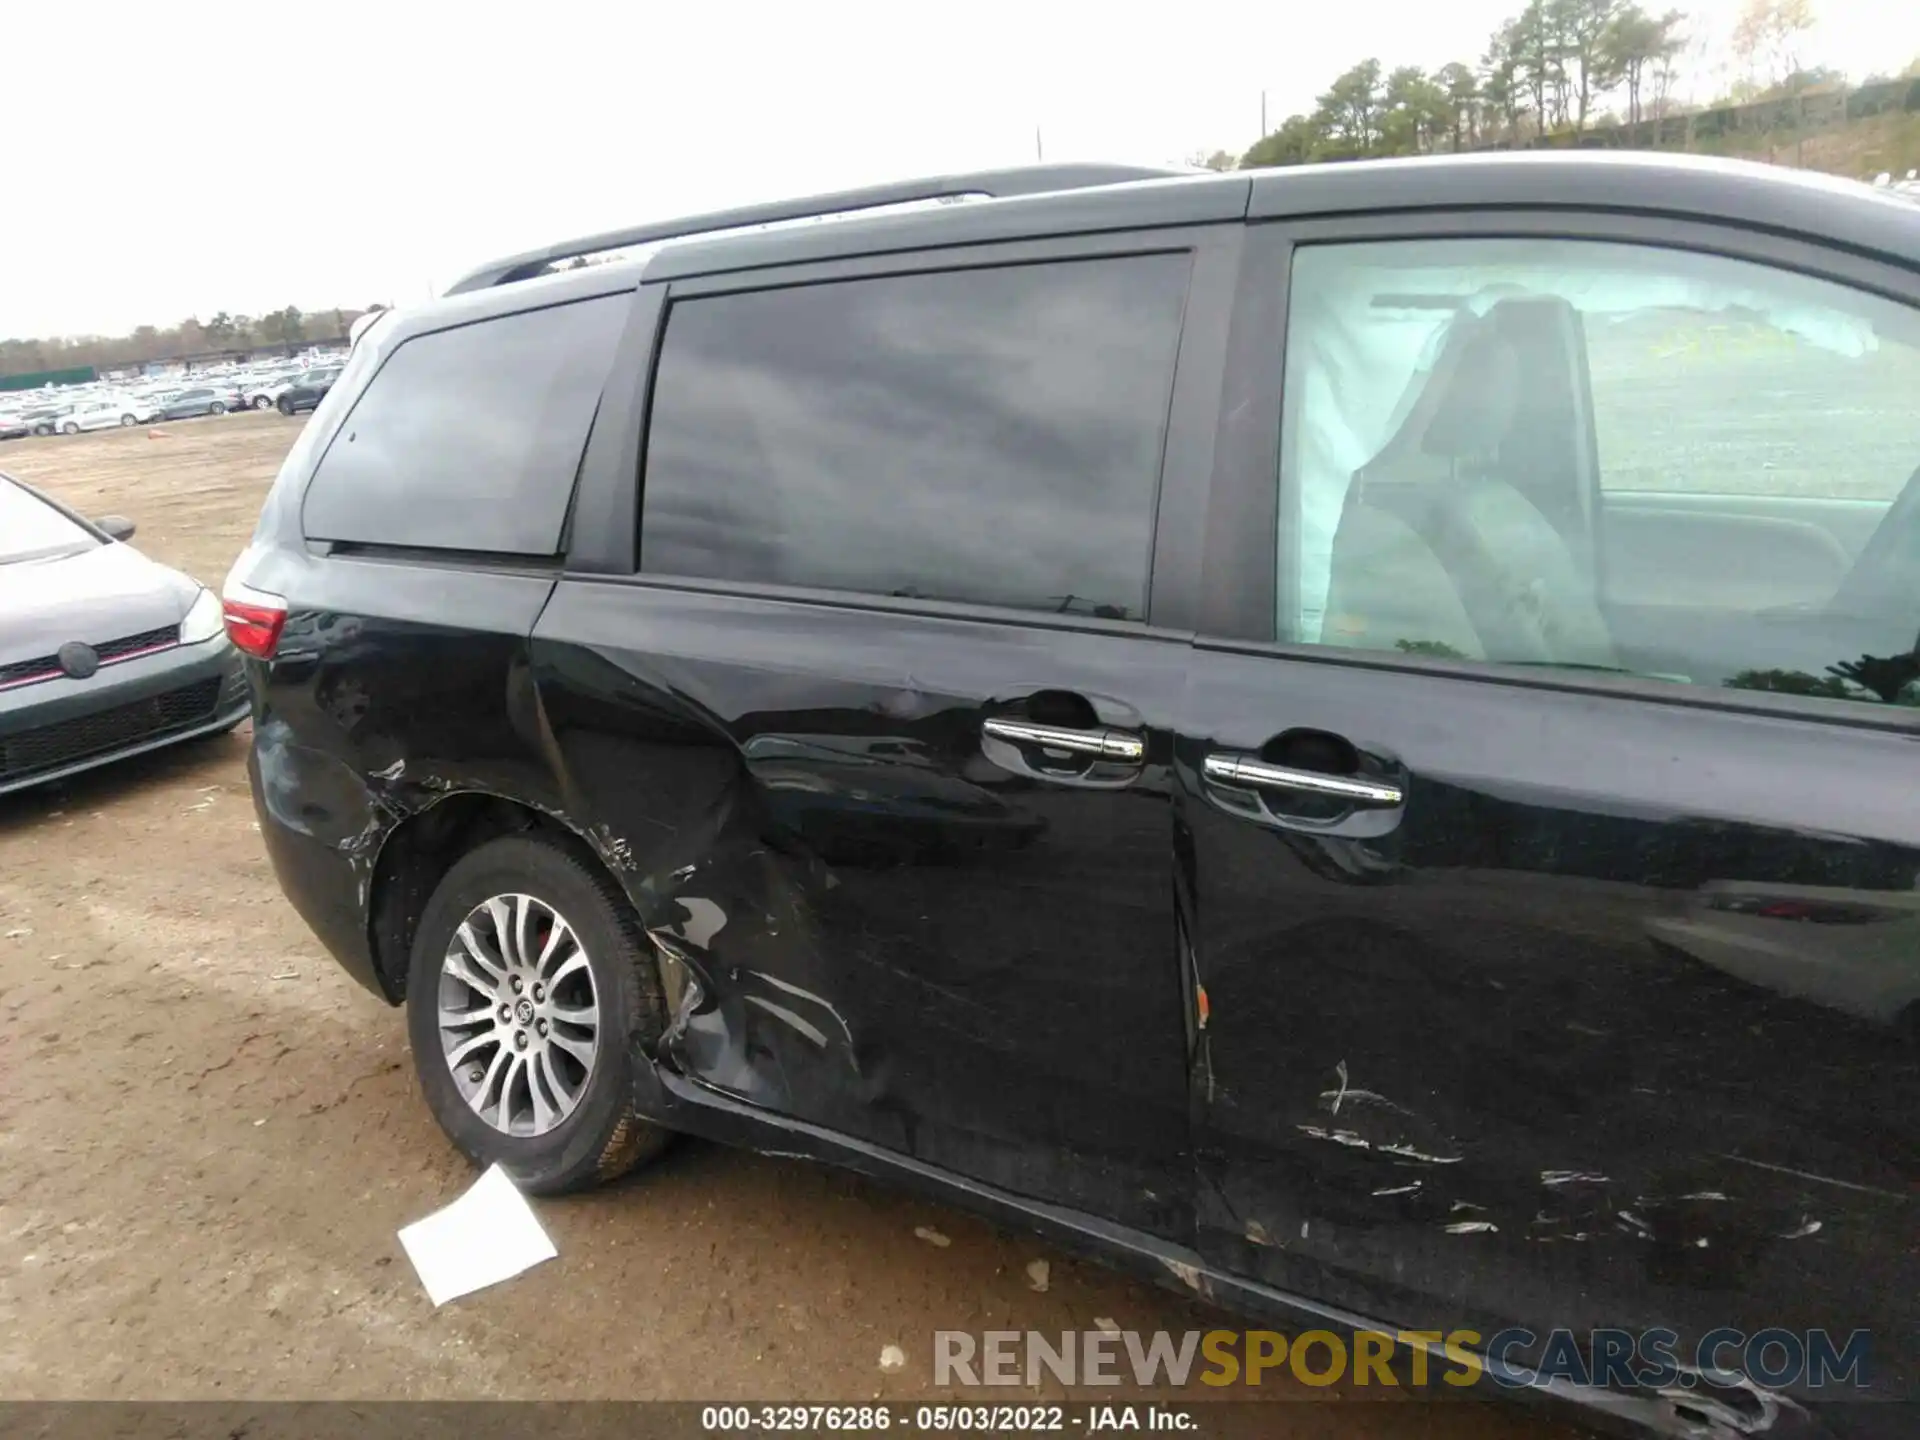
(883, 707)
(1555, 878)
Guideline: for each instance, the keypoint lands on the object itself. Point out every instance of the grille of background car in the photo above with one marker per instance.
(47, 747)
(47, 667)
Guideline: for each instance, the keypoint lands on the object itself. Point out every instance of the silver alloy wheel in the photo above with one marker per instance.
(519, 1017)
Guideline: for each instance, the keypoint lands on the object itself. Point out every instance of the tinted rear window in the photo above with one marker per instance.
(468, 439)
(988, 435)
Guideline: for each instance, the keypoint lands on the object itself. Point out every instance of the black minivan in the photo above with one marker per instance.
(1348, 736)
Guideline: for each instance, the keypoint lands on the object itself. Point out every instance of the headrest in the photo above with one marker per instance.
(1482, 395)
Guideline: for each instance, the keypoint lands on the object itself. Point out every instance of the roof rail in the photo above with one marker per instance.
(996, 184)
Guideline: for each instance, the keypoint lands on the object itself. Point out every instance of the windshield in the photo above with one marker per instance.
(31, 529)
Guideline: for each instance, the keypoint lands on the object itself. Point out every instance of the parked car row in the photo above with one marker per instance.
(102, 405)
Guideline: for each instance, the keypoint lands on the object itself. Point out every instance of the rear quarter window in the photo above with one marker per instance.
(469, 438)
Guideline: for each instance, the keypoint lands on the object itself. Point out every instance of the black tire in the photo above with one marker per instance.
(69, 429)
(218, 407)
(603, 1137)
(129, 421)
(262, 402)
(286, 406)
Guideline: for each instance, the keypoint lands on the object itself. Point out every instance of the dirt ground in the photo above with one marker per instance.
(209, 1136)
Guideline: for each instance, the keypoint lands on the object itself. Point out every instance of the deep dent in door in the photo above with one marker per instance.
(734, 916)
(714, 897)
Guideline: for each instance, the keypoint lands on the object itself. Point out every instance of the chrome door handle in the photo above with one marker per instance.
(1244, 770)
(1102, 744)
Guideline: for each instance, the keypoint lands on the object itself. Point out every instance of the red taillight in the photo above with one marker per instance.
(254, 624)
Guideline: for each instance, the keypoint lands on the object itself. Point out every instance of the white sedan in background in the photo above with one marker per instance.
(106, 412)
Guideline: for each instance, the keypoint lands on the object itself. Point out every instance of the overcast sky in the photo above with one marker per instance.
(344, 152)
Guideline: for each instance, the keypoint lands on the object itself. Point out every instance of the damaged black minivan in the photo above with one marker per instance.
(1346, 736)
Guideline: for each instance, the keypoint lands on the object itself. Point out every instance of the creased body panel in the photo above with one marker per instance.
(878, 928)
(373, 712)
(1612, 1023)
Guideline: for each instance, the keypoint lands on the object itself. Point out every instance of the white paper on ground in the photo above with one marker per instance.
(488, 1235)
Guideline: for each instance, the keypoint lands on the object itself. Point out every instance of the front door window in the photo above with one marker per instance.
(1602, 455)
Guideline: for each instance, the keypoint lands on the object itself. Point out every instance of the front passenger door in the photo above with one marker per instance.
(1557, 919)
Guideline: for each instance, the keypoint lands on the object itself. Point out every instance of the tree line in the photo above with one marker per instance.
(222, 332)
(1552, 68)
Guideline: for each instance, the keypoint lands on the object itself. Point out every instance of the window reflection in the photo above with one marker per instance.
(984, 435)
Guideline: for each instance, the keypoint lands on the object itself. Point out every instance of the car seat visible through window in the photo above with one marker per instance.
(1444, 475)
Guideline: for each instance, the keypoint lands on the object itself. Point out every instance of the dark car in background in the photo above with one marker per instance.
(1346, 736)
(307, 390)
(197, 401)
(103, 652)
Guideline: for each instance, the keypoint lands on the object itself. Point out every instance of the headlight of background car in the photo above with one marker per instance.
(204, 620)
